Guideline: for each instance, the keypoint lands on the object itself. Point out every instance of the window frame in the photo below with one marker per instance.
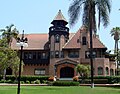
(73, 54)
(57, 38)
(39, 71)
(84, 41)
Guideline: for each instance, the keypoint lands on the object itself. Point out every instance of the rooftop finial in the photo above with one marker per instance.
(59, 10)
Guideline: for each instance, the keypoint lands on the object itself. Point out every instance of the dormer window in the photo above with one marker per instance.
(57, 38)
(84, 42)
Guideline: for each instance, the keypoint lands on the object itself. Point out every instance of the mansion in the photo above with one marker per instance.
(58, 52)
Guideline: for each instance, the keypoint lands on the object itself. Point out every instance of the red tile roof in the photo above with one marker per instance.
(60, 16)
(38, 41)
(96, 42)
(35, 41)
(74, 44)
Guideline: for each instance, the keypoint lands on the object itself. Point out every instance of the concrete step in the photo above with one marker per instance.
(65, 79)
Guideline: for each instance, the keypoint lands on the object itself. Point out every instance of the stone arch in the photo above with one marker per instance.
(65, 68)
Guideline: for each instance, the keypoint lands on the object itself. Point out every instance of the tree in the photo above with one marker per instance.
(115, 32)
(8, 58)
(83, 70)
(90, 8)
(9, 33)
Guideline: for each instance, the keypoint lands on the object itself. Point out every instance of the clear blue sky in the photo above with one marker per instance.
(35, 16)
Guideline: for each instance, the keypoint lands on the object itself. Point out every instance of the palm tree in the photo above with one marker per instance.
(90, 8)
(115, 32)
(9, 33)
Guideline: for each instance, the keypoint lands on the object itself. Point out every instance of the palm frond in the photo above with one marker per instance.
(74, 11)
(104, 8)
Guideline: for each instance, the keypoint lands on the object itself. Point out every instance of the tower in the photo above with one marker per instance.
(58, 36)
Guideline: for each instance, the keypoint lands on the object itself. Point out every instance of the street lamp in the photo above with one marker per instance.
(21, 42)
(91, 54)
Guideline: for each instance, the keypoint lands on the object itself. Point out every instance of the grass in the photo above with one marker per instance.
(58, 90)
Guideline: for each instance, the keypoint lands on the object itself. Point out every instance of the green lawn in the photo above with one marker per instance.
(58, 90)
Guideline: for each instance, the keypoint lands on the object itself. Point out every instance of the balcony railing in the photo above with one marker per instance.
(59, 29)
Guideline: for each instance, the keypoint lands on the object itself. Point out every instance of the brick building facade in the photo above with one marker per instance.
(59, 52)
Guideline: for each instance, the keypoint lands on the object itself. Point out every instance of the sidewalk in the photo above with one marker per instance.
(102, 85)
(5, 84)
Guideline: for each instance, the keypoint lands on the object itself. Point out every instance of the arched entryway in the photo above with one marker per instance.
(8, 71)
(66, 72)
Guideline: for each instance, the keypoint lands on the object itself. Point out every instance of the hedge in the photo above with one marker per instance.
(102, 79)
(26, 78)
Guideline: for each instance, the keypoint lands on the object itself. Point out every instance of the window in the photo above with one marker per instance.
(78, 40)
(62, 54)
(28, 55)
(57, 38)
(73, 54)
(111, 72)
(39, 71)
(39, 55)
(57, 54)
(84, 41)
(25, 55)
(44, 55)
(100, 71)
(52, 54)
(107, 71)
(34, 55)
(87, 54)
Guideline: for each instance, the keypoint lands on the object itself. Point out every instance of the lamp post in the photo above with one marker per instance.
(91, 54)
(21, 42)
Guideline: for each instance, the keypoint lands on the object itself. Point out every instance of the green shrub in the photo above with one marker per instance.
(65, 83)
(102, 79)
(15, 82)
(27, 82)
(22, 82)
(9, 81)
(2, 81)
(32, 82)
(37, 81)
(33, 78)
(10, 77)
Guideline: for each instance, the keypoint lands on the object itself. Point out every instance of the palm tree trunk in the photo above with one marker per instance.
(117, 57)
(115, 50)
(91, 42)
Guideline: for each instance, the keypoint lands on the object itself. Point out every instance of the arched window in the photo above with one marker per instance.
(107, 71)
(100, 71)
(111, 72)
(57, 38)
(84, 41)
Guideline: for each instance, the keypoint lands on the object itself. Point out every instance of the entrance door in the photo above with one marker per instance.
(66, 72)
(8, 71)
